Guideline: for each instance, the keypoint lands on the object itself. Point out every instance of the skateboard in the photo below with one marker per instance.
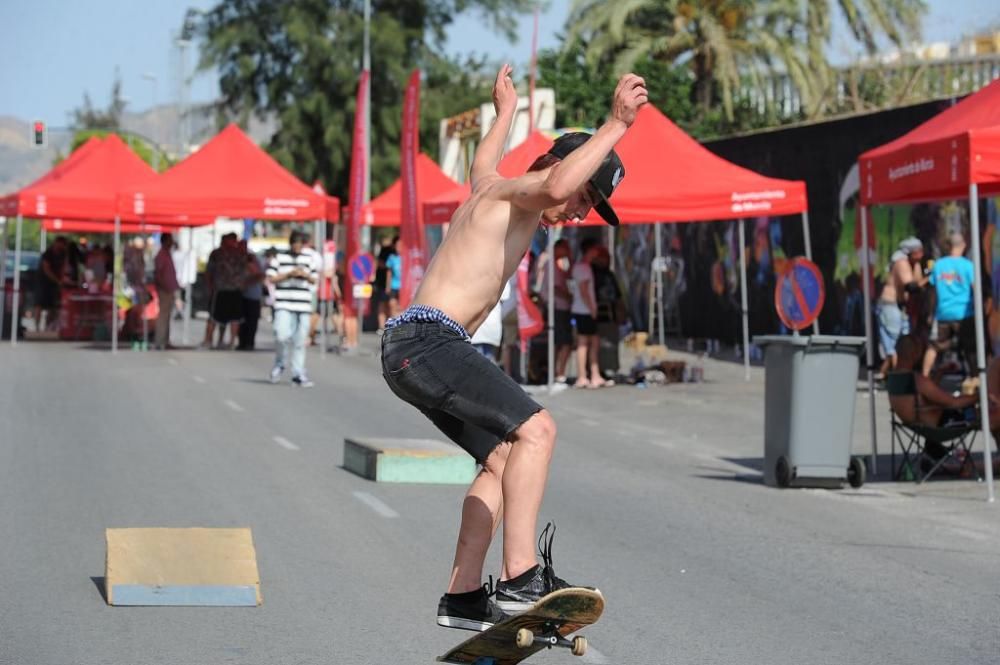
(544, 626)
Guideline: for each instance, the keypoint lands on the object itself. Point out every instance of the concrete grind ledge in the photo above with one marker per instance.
(408, 461)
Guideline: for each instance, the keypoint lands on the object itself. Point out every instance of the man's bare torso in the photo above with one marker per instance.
(484, 245)
(900, 276)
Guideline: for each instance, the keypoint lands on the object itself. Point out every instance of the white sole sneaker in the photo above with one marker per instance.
(464, 624)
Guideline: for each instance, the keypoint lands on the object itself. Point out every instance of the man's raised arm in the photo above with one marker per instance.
(490, 149)
(568, 176)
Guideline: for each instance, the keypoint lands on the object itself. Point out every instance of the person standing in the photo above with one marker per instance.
(50, 282)
(165, 281)
(952, 303)
(610, 311)
(893, 321)
(293, 274)
(584, 311)
(227, 278)
(253, 293)
(562, 301)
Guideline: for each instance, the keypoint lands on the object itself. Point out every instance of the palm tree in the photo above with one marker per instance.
(726, 42)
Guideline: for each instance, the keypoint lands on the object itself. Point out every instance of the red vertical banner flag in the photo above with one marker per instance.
(529, 319)
(356, 195)
(411, 232)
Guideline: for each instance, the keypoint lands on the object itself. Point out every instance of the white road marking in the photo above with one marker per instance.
(285, 443)
(594, 656)
(375, 504)
(198, 379)
(234, 406)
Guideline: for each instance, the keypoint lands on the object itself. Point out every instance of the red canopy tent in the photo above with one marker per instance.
(955, 154)
(385, 209)
(440, 208)
(228, 177)
(670, 177)
(85, 187)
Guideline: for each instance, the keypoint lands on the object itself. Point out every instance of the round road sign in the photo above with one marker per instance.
(799, 294)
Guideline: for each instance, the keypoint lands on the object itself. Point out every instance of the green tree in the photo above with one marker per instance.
(88, 116)
(299, 60)
(584, 88)
(733, 44)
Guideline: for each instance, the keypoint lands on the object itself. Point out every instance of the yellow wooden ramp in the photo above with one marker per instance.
(207, 567)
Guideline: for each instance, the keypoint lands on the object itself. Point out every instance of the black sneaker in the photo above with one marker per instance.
(520, 593)
(474, 610)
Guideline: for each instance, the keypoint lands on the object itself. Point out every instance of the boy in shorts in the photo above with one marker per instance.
(427, 359)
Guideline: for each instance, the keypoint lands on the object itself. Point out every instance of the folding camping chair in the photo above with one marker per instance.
(912, 437)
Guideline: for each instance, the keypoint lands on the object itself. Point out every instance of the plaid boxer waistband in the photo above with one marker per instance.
(426, 314)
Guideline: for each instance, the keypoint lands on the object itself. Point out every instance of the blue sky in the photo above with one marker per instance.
(55, 50)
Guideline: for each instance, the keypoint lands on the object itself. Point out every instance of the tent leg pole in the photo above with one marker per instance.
(657, 238)
(42, 240)
(743, 300)
(187, 287)
(145, 292)
(869, 349)
(4, 228)
(114, 283)
(551, 307)
(984, 411)
(807, 241)
(321, 243)
(15, 311)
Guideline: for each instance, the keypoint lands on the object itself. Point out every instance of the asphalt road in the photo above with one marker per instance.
(654, 492)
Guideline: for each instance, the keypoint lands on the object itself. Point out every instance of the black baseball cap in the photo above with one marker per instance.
(607, 178)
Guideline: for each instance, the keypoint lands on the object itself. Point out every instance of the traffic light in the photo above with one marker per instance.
(39, 134)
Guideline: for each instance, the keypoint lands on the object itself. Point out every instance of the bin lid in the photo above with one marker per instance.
(810, 340)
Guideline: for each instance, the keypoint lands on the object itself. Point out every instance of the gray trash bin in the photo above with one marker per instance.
(810, 392)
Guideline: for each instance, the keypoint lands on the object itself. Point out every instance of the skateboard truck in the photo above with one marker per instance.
(551, 638)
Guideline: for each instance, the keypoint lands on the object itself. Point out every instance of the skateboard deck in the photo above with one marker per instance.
(543, 626)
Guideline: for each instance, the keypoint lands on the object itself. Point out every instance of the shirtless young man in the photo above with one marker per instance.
(904, 276)
(427, 359)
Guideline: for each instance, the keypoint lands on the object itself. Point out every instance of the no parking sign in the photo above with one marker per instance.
(362, 267)
(799, 294)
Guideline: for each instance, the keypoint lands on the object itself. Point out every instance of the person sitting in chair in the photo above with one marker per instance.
(931, 401)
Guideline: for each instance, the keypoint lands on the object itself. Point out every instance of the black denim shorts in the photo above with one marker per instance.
(465, 395)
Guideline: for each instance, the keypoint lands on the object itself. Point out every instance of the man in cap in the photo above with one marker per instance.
(904, 279)
(428, 362)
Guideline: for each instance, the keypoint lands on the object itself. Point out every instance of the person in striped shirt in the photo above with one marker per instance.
(293, 274)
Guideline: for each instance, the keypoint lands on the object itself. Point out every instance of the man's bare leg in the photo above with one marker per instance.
(593, 348)
(523, 483)
(481, 514)
(562, 357)
(582, 344)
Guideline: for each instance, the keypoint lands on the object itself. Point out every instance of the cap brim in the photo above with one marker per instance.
(604, 209)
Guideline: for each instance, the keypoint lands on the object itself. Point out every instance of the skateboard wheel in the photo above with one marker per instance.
(525, 638)
(579, 646)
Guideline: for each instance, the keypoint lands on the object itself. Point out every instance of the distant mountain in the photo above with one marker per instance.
(21, 163)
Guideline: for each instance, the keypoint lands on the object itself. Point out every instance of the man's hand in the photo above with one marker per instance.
(630, 94)
(504, 94)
